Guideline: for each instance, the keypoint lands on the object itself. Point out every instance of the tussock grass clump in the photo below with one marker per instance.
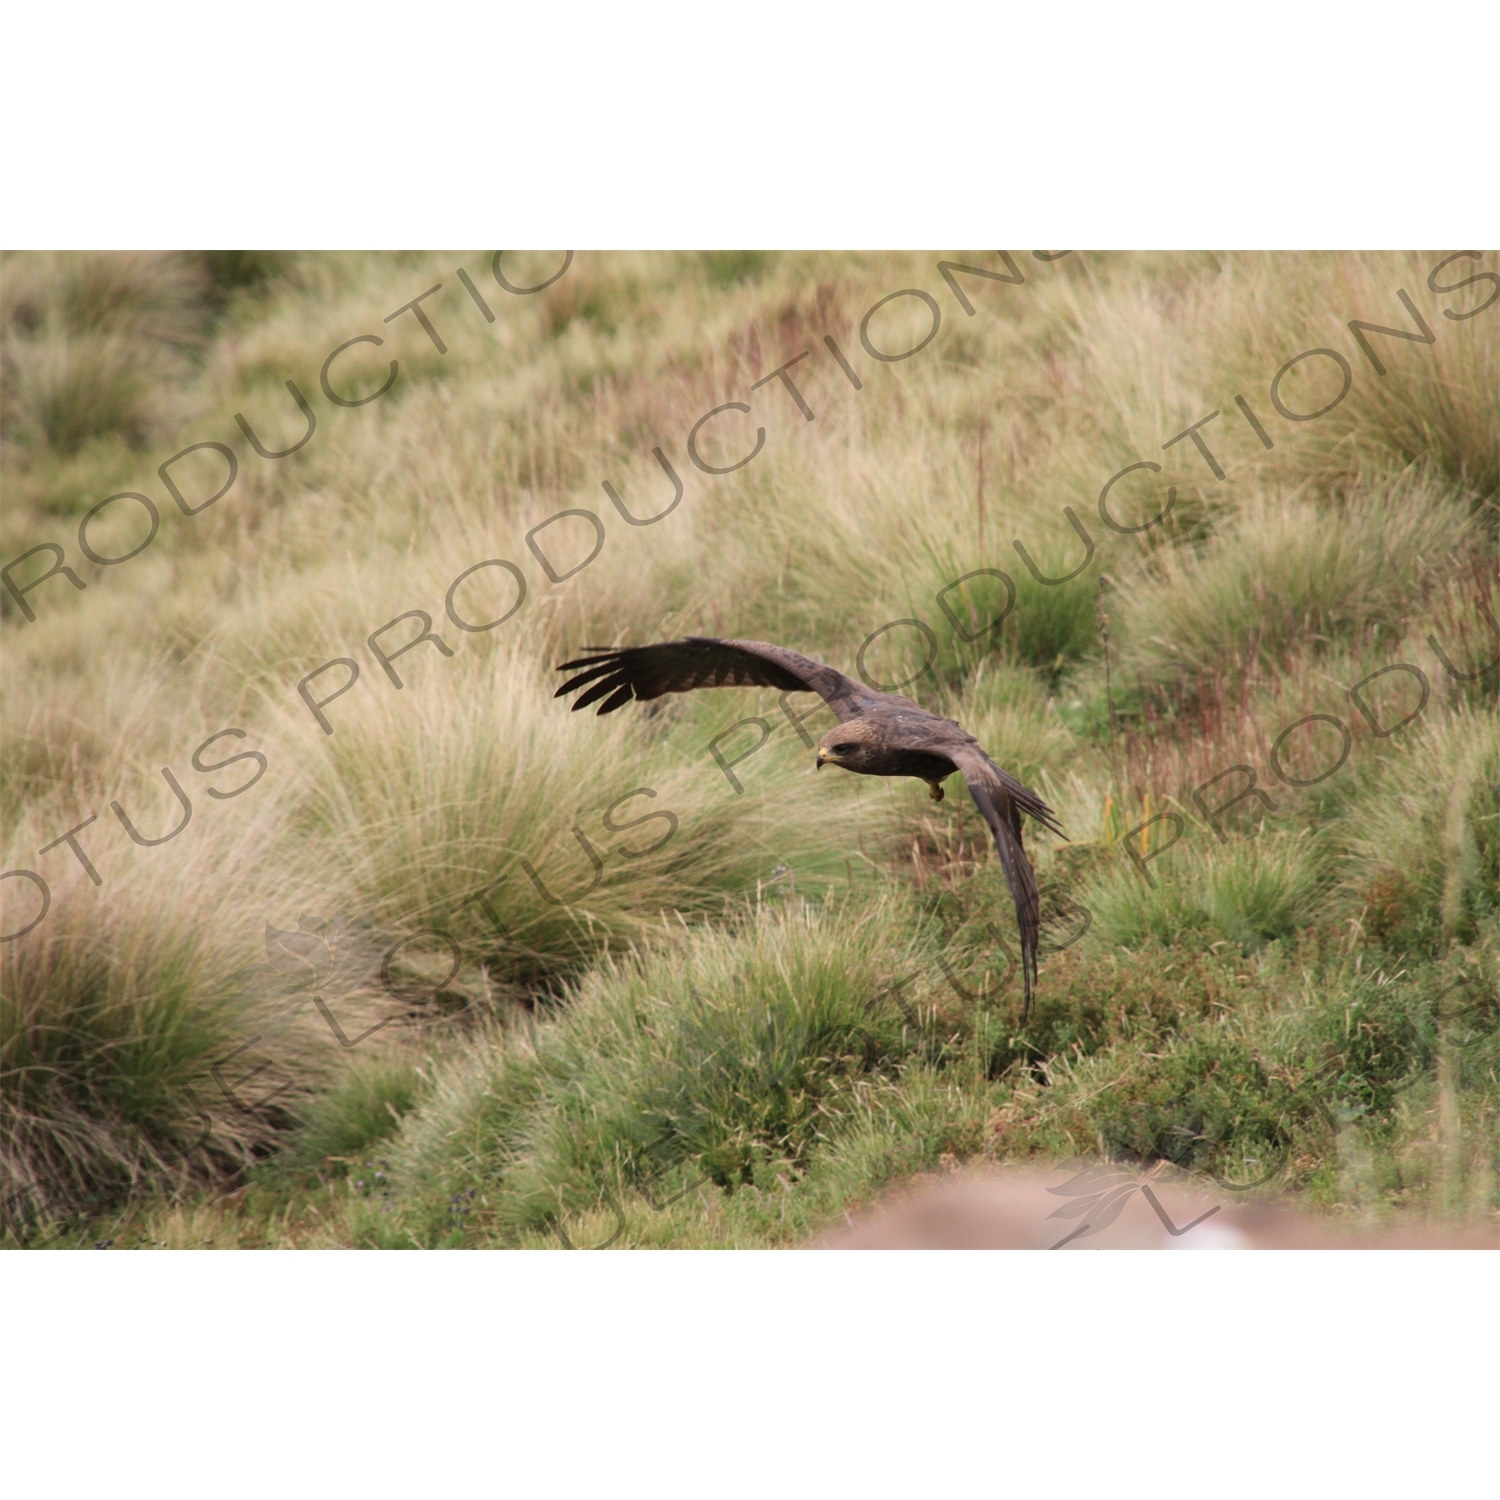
(732, 1049)
(145, 1043)
(1250, 891)
(1286, 572)
(1435, 403)
(110, 1026)
(361, 1106)
(70, 388)
(1206, 1102)
(1424, 839)
(982, 622)
(580, 831)
(91, 340)
(1383, 1039)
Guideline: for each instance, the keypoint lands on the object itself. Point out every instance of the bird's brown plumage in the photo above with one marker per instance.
(879, 734)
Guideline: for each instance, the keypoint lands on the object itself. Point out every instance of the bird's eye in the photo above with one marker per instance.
(842, 749)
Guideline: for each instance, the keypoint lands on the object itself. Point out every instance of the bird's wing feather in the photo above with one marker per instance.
(646, 672)
(1001, 799)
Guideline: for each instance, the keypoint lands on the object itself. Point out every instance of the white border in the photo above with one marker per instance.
(683, 1373)
(1175, 125)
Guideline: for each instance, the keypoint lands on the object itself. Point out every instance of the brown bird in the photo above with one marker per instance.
(878, 734)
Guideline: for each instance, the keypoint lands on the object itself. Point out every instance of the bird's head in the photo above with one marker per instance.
(848, 745)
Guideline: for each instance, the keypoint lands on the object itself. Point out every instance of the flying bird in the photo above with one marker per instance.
(878, 734)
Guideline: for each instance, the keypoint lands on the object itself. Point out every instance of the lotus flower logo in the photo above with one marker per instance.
(334, 958)
(1098, 1196)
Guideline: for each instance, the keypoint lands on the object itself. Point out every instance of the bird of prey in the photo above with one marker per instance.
(878, 734)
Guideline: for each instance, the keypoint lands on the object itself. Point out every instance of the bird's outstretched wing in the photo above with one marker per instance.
(1002, 799)
(646, 672)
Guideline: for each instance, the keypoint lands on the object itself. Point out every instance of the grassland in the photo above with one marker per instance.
(602, 989)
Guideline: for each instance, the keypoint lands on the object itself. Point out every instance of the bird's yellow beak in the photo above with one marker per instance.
(821, 759)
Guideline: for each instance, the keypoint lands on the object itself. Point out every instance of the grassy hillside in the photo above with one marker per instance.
(431, 960)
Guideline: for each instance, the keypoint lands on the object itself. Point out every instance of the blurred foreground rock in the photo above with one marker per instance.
(1108, 1207)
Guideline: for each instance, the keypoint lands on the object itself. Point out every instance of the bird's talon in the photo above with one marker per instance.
(935, 790)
